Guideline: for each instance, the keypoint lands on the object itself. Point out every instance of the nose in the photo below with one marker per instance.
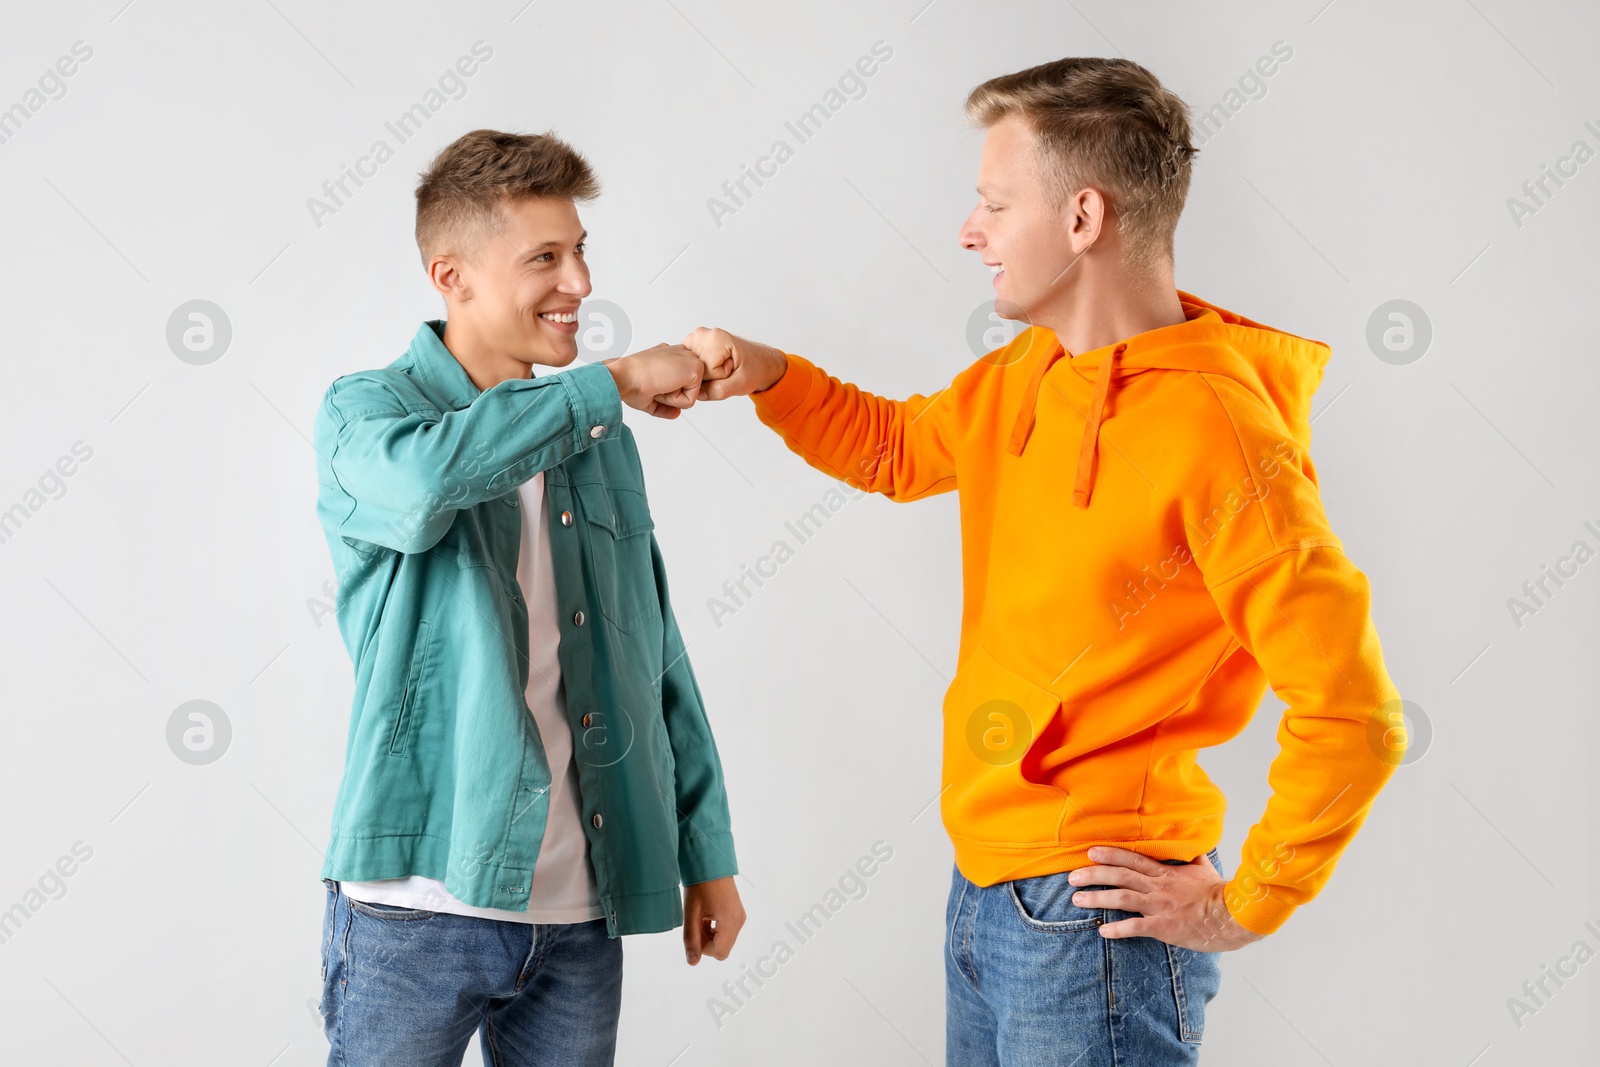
(970, 236)
(575, 279)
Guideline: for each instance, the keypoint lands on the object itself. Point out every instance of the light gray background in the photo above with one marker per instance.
(183, 561)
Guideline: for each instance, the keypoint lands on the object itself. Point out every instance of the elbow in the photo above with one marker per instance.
(424, 536)
(419, 526)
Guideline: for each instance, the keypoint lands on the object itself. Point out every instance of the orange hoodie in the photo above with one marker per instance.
(1143, 547)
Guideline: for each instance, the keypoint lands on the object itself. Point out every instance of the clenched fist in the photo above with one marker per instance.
(660, 380)
(733, 365)
(713, 915)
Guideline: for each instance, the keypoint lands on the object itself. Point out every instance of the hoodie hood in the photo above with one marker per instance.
(1280, 368)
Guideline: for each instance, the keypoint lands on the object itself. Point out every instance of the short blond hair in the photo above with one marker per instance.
(462, 194)
(1108, 123)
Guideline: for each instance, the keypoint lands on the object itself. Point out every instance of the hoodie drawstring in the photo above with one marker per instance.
(1030, 400)
(1091, 432)
(1023, 427)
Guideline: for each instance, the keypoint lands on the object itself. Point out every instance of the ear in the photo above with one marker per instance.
(1084, 215)
(445, 274)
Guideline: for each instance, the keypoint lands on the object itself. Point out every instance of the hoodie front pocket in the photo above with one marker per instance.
(619, 540)
(420, 651)
(995, 723)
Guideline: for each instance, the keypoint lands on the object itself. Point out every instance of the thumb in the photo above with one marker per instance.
(693, 934)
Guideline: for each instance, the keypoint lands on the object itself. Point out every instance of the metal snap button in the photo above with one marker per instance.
(597, 820)
(597, 431)
(566, 518)
(577, 618)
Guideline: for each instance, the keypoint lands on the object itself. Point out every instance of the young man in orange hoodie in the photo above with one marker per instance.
(1143, 550)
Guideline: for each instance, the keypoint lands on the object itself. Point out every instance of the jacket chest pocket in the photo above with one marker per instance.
(619, 540)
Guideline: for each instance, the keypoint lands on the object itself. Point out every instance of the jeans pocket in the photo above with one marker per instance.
(1044, 903)
(390, 912)
(1196, 978)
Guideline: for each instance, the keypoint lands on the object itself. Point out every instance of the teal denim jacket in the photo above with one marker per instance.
(444, 774)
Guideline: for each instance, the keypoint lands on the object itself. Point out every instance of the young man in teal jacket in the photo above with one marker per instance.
(529, 772)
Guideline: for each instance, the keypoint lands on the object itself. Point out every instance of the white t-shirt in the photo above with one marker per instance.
(563, 889)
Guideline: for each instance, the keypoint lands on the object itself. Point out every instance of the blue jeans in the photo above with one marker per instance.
(1029, 982)
(401, 986)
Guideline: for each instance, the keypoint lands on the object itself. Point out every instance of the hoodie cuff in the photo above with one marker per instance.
(777, 401)
(1263, 916)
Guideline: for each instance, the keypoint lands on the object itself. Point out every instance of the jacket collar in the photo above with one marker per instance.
(432, 362)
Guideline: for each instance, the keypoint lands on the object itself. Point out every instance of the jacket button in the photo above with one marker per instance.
(597, 431)
(577, 618)
(597, 820)
(566, 518)
(586, 721)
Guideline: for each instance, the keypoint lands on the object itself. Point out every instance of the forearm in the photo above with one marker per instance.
(894, 447)
(405, 473)
(1307, 616)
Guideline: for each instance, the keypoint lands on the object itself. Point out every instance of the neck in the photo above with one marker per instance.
(486, 363)
(1103, 310)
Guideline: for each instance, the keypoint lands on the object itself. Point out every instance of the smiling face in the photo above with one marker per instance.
(1029, 243)
(522, 289)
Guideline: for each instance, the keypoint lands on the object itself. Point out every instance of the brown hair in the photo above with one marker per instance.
(1108, 123)
(464, 190)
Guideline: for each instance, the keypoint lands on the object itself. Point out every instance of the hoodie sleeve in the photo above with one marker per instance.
(1297, 604)
(904, 449)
